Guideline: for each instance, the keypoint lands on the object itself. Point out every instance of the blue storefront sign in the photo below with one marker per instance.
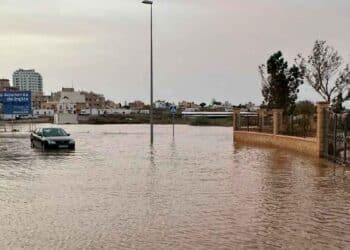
(16, 102)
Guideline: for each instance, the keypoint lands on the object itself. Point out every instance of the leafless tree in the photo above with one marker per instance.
(324, 70)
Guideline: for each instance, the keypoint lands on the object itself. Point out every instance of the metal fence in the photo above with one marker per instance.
(299, 125)
(267, 123)
(255, 122)
(338, 140)
(249, 122)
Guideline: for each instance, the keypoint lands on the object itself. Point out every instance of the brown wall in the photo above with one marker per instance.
(306, 146)
(4, 83)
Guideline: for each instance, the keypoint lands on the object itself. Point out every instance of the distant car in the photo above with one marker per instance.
(51, 138)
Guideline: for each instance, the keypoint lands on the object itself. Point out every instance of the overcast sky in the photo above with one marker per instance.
(204, 49)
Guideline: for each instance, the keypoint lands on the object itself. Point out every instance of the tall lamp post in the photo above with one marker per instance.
(151, 107)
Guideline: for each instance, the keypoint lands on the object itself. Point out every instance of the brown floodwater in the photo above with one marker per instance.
(198, 191)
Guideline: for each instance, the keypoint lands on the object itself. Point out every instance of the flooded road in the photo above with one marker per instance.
(198, 191)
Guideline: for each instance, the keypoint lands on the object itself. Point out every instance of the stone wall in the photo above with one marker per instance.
(307, 146)
(65, 118)
(310, 146)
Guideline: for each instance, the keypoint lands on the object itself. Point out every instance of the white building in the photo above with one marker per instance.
(43, 113)
(93, 112)
(119, 111)
(69, 106)
(191, 110)
(28, 80)
(69, 101)
(144, 112)
(160, 105)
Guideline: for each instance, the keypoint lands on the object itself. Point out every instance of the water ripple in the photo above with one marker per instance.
(196, 191)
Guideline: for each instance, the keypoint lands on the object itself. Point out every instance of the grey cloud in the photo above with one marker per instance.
(203, 49)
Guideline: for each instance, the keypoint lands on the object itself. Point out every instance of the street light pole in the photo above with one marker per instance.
(151, 94)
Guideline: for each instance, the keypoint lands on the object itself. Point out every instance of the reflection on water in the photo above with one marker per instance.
(194, 191)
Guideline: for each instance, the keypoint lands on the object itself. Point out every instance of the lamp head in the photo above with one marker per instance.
(147, 2)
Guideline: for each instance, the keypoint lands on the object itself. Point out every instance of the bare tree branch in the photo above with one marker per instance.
(323, 71)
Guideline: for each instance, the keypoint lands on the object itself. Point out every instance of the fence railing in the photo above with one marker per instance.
(299, 125)
(249, 122)
(330, 131)
(267, 123)
(338, 138)
(293, 125)
(256, 122)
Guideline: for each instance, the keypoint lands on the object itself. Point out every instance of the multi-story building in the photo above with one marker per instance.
(69, 106)
(38, 100)
(112, 105)
(28, 80)
(138, 105)
(4, 84)
(51, 105)
(10, 89)
(161, 104)
(56, 96)
(71, 102)
(188, 105)
(93, 100)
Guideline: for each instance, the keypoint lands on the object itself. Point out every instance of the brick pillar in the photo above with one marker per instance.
(262, 114)
(277, 120)
(322, 128)
(236, 118)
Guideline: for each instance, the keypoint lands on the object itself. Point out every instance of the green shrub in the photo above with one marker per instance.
(200, 121)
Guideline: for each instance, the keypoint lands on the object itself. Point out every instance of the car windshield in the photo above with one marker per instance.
(53, 132)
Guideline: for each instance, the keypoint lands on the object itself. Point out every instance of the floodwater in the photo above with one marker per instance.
(198, 191)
